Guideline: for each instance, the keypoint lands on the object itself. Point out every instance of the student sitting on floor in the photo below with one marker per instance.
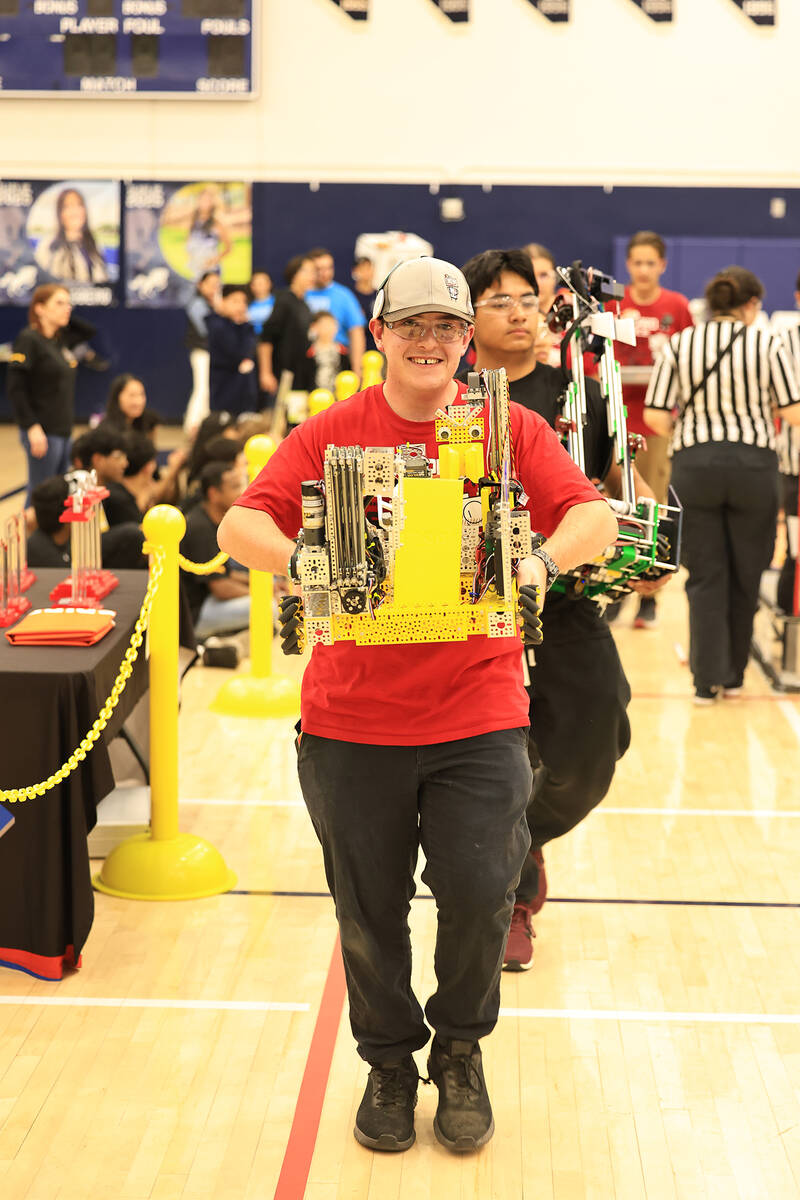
(104, 450)
(220, 602)
(49, 542)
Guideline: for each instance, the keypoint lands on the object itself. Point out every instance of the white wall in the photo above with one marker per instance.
(510, 98)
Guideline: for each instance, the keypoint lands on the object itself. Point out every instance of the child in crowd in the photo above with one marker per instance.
(330, 356)
(262, 300)
(232, 347)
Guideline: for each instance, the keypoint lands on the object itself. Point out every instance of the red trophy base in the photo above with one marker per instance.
(97, 585)
(14, 611)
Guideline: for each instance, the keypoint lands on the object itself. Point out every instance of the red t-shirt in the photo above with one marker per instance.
(655, 325)
(415, 694)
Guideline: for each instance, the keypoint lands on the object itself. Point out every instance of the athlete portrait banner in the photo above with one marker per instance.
(59, 232)
(456, 10)
(656, 10)
(177, 232)
(760, 12)
(357, 9)
(554, 10)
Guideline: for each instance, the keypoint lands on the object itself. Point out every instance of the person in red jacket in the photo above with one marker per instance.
(422, 745)
(658, 314)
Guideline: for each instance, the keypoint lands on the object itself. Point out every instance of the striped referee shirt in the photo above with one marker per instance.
(735, 404)
(788, 441)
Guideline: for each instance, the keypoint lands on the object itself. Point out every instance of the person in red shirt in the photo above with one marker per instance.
(419, 745)
(658, 314)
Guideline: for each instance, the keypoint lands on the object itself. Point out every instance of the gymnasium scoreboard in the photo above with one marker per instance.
(128, 48)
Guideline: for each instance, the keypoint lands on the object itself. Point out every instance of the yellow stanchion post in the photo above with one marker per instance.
(259, 693)
(164, 864)
(371, 368)
(345, 384)
(319, 400)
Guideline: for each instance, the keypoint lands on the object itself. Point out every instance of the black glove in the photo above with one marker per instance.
(291, 621)
(531, 615)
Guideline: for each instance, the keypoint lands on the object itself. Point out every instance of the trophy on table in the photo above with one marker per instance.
(88, 583)
(14, 573)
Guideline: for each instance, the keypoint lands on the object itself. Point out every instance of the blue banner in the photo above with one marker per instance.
(127, 47)
(456, 10)
(357, 9)
(176, 232)
(760, 12)
(554, 10)
(656, 10)
(59, 232)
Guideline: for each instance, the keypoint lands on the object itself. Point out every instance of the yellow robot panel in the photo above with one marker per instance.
(428, 562)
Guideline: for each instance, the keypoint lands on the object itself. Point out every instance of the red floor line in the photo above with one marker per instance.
(305, 1126)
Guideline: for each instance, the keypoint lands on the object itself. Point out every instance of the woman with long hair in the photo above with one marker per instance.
(714, 393)
(40, 385)
(127, 411)
(126, 407)
(72, 255)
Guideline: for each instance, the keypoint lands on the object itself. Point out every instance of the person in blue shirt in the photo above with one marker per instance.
(232, 346)
(336, 298)
(262, 300)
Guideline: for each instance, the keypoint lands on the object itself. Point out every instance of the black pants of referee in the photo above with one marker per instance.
(579, 724)
(729, 494)
(372, 807)
(790, 485)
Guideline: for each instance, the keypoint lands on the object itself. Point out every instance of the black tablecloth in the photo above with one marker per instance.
(49, 699)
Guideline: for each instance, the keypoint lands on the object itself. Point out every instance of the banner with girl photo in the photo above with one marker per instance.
(59, 232)
(177, 232)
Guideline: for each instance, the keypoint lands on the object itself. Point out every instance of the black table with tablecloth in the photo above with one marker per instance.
(49, 699)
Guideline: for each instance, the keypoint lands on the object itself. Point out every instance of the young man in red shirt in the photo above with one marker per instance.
(658, 314)
(419, 745)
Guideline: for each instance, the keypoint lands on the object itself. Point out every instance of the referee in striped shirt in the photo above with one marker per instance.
(713, 392)
(789, 466)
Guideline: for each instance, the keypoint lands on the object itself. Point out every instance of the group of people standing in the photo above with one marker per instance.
(241, 338)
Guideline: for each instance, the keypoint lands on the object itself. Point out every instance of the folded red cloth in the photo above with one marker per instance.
(62, 627)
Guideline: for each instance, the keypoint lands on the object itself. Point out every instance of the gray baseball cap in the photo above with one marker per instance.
(424, 285)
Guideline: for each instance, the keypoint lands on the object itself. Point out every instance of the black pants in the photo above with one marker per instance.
(789, 488)
(729, 494)
(372, 808)
(579, 726)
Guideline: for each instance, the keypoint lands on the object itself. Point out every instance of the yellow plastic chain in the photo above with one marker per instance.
(207, 568)
(15, 795)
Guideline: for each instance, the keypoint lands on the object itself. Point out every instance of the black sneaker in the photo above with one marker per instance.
(385, 1117)
(463, 1118)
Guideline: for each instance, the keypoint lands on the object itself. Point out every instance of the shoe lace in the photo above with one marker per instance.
(391, 1085)
(462, 1075)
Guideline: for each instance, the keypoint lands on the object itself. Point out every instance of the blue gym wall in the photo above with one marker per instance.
(575, 222)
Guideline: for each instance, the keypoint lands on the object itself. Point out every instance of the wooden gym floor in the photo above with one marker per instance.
(652, 1052)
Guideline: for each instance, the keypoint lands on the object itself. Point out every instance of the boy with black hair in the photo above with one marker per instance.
(221, 601)
(578, 691)
(49, 543)
(232, 346)
(104, 450)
